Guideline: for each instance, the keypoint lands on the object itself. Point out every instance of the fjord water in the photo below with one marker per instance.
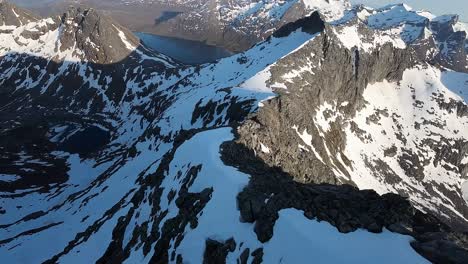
(186, 51)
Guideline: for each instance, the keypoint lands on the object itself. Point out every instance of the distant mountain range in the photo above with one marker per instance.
(235, 25)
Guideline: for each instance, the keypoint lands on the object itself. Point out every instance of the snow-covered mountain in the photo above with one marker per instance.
(233, 24)
(239, 24)
(393, 121)
(112, 153)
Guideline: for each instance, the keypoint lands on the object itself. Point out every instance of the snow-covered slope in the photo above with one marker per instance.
(424, 150)
(120, 155)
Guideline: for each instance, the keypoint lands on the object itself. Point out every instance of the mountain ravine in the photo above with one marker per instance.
(337, 140)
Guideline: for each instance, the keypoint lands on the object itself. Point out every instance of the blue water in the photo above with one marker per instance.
(186, 51)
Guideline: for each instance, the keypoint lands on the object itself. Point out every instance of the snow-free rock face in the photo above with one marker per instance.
(11, 15)
(100, 39)
(136, 158)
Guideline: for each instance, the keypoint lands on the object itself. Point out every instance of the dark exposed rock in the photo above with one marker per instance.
(257, 256)
(441, 251)
(244, 257)
(279, 124)
(452, 43)
(101, 39)
(216, 252)
(311, 24)
(273, 123)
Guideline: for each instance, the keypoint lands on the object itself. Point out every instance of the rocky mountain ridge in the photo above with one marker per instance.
(131, 157)
(304, 130)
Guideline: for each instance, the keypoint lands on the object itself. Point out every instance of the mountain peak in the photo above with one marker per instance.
(311, 24)
(11, 15)
(99, 37)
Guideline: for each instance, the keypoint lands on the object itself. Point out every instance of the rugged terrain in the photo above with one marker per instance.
(237, 25)
(234, 25)
(343, 136)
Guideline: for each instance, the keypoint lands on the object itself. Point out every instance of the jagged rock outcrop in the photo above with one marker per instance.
(101, 39)
(452, 43)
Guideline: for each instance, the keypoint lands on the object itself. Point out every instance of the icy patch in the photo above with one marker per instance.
(258, 82)
(465, 191)
(350, 37)
(9, 177)
(330, 9)
(297, 238)
(457, 82)
(124, 39)
(460, 26)
(307, 139)
(264, 148)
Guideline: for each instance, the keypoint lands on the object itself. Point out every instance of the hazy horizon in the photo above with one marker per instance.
(436, 7)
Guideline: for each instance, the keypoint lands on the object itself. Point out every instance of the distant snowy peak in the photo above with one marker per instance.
(237, 25)
(83, 57)
(330, 9)
(441, 39)
(78, 35)
(98, 37)
(236, 11)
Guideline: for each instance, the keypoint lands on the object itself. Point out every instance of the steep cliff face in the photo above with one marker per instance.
(99, 38)
(288, 119)
(346, 112)
(451, 39)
